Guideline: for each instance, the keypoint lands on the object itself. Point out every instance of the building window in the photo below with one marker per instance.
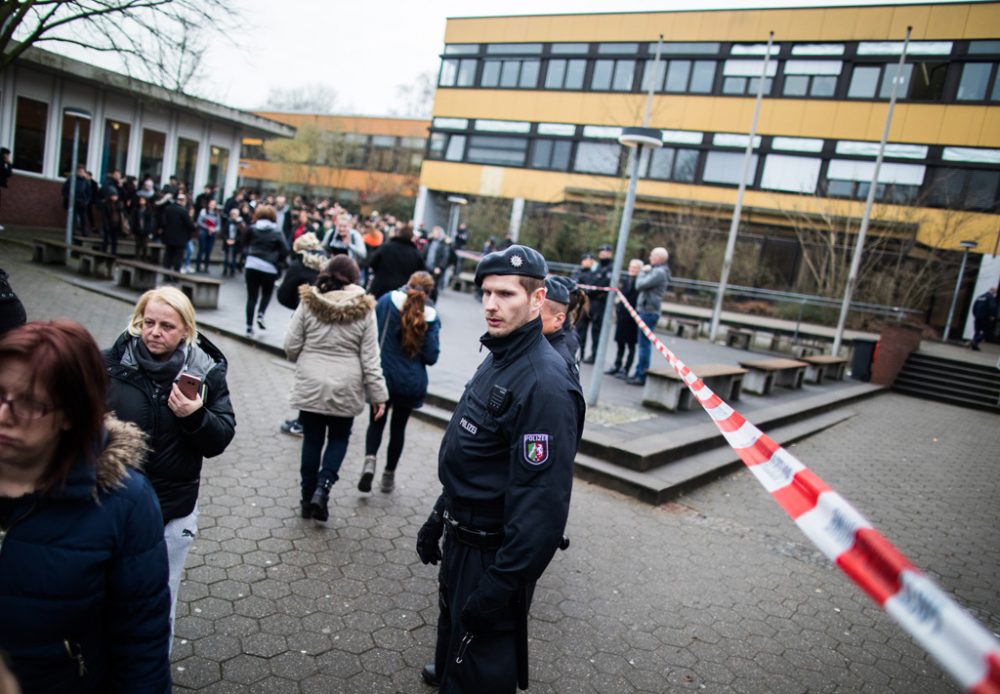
(976, 81)
(613, 75)
(597, 157)
(218, 167)
(792, 174)
(351, 151)
(921, 80)
(817, 78)
(851, 179)
(383, 153)
(967, 189)
(153, 145)
(66, 144)
(740, 77)
(727, 167)
(502, 151)
(456, 148)
(29, 134)
(550, 154)
(116, 136)
(510, 73)
(565, 74)
(187, 161)
(681, 76)
(457, 72)
(670, 164)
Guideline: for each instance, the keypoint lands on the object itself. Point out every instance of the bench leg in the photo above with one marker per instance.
(663, 394)
(757, 382)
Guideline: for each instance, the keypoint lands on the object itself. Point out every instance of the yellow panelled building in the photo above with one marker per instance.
(529, 108)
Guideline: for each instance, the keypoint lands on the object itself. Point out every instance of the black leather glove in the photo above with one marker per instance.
(429, 539)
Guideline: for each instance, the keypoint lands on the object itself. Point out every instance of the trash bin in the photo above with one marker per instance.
(861, 362)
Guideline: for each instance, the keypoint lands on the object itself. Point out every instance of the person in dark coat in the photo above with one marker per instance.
(394, 262)
(84, 600)
(6, 171)
(555, 327)
(626, 330)
(409, 335)
(506, 472)
(266, 253)
(176, 230)
(143, 224)
(146, 363)
(308, 260)
(584, 275)
(81, 201)
(12, 313)
(112, 221)
(984, 312)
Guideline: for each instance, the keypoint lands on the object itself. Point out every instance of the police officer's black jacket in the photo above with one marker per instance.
(176, 445)
(600, 277)
(566, 342)
(514, 463)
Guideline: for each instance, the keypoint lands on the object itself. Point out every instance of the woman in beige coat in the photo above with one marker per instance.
(333, 340)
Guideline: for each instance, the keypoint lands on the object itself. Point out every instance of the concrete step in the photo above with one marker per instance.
(672, 480)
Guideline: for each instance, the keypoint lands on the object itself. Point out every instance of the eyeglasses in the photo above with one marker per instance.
(23, 407)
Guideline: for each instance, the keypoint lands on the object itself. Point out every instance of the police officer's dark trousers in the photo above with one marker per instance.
(489, 660)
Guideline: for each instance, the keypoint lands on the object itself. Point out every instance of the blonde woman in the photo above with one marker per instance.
(160, 353)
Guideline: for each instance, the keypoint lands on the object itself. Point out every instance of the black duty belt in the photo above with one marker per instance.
(482, 539)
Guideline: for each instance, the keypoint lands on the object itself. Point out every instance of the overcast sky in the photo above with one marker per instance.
(365, 49)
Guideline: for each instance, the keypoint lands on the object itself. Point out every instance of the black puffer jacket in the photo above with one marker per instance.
(265, 241)
(177, 446)
(393, 263)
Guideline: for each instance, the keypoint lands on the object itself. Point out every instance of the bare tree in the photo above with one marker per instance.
(313, 97)
(152, 38)
(415, 99)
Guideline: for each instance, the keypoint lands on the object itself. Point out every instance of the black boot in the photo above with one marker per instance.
(319, 501)
(429, 675)
(306, 508)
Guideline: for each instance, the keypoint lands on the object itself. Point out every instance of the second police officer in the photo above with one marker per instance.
(506, 470)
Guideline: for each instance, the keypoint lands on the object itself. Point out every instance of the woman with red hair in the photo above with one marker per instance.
(84, 603)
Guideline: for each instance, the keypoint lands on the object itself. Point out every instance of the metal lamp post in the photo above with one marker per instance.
(457, 202)
(967, 246)
(639, 141)
(76, 114)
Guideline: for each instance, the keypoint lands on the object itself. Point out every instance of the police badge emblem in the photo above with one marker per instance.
(536, 448)
(516, 261)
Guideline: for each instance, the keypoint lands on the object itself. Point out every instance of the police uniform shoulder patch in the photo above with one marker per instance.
(536, 448)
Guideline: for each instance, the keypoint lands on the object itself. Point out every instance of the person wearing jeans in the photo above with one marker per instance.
(266, 252)
(333, 341)
(652, 284)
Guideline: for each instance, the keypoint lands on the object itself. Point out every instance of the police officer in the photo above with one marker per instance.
(600, 276)
(555, 328)
(506, 469)
(584, 275)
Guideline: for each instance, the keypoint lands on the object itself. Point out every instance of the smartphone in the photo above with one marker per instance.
(189, 384)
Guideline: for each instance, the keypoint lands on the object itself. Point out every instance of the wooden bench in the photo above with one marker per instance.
(739, 338)
(764, 374)
(49, 252)
(91, 261)
(824, 366)
(682, 323)
(665, 390)
(126, 249)
(464, 281)
(203, 291)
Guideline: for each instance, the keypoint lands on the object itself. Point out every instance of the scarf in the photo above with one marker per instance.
(162, 373)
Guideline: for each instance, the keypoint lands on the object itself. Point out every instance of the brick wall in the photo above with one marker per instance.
(30, 201)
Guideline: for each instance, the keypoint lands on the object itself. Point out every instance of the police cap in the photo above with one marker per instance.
(556, 291)
(604, 247)
(564, 280)
(515, 260)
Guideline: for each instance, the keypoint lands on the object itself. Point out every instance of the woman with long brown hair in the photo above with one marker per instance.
(409, 329)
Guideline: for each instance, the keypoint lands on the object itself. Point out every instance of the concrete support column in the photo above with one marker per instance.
(95, 152)
(516, 216)
(170, 149)
(233, 168)
(204, 154)
(135, 143)
(420, 209)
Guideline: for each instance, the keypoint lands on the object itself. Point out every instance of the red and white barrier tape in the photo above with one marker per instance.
(963, 646)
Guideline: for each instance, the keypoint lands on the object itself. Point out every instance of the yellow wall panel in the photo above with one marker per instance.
(951, 21)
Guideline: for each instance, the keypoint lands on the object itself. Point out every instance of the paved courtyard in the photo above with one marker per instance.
(718, 592)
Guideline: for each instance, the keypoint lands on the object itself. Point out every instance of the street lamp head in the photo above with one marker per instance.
(457, 200)
(968, 244)
(637, 137)
(74, 112)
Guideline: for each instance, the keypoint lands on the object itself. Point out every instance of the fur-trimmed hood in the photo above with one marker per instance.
(123, 448)
(340, 306)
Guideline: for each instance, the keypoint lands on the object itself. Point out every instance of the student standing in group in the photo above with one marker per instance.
(143, 225)
(626, 330)
(208, 224)
(409, 330)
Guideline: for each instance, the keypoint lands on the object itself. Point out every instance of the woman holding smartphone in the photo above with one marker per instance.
(171, 381)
